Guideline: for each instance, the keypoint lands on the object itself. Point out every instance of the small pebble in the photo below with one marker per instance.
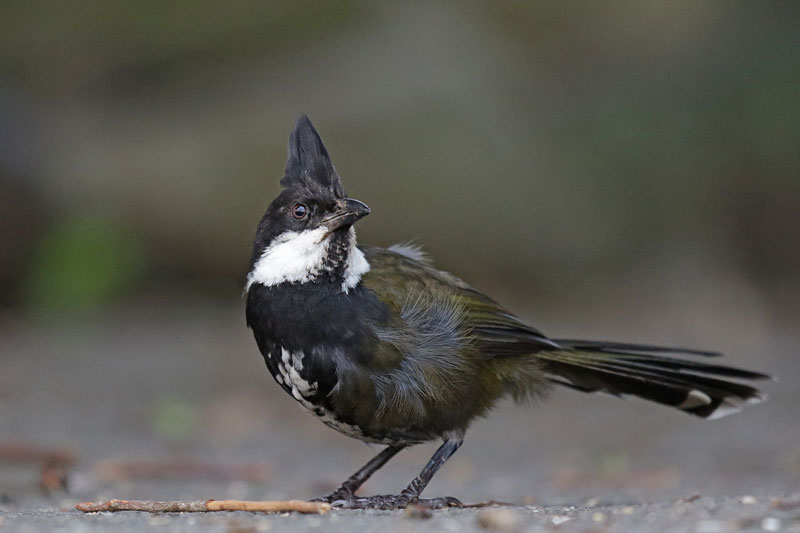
(748, 500)
(600, 518)
(560, 519)
(771, 523)
(627, 510)
(498, 519)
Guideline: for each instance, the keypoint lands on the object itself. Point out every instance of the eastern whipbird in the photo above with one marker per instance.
(385, 348)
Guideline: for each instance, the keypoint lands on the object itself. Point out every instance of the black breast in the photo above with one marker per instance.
(318, 323)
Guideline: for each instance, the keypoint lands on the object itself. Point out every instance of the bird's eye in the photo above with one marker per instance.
(299, 211)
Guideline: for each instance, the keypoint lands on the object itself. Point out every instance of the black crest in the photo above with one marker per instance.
(309, 165)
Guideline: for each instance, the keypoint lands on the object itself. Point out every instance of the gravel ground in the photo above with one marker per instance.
(185, 385)
(705, 515)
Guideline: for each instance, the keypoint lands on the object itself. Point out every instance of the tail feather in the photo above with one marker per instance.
(622, 347)
(627, 369)
(658, 362)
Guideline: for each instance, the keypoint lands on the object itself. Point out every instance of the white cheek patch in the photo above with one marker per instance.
(292, 257)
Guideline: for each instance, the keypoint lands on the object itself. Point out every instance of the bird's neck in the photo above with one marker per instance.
(341, 245)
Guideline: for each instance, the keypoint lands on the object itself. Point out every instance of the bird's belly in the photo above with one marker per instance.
(288, 370)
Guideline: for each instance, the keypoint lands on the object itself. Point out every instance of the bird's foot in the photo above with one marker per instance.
(390, 502)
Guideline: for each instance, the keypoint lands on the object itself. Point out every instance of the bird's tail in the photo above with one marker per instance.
(695, 387)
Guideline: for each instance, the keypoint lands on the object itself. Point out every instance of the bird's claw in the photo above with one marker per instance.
(388, 502)
(382, 502)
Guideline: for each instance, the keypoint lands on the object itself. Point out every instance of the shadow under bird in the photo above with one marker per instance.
(385, 348)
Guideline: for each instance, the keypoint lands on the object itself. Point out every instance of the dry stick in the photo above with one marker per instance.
(200, 506)
(149, 506)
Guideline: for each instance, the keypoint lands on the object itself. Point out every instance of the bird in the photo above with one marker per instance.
(384, 347)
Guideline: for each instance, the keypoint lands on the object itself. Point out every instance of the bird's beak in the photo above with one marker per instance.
(346, 213)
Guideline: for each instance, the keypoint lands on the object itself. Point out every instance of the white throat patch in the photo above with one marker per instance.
(299, 257)
(292, 257)
(357, 264)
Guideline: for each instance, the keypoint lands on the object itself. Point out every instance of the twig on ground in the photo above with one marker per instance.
(147, 506)
(298, 506)
(202, 506)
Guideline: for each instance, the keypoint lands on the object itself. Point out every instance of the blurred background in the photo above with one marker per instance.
(615, 170)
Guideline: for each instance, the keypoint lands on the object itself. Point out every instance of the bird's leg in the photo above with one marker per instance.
(348, 489)
(411, 493)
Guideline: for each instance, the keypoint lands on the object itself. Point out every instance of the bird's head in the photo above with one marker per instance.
(307, 233)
